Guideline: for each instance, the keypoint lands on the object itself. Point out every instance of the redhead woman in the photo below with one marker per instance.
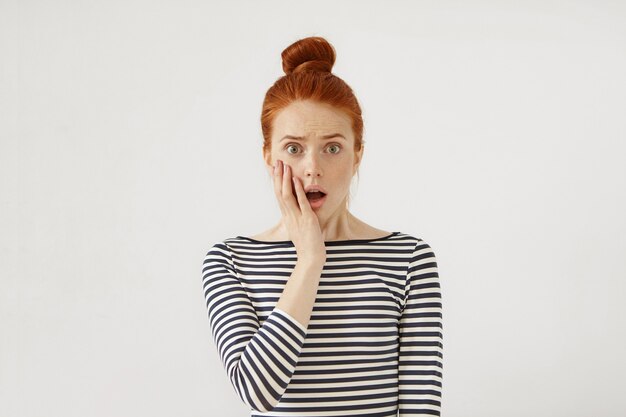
(323, 314)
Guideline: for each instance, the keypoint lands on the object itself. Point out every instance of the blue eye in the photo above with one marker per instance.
(289, 146)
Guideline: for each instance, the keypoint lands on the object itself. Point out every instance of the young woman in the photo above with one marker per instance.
(323, 314)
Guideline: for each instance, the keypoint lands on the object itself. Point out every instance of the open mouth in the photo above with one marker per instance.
(314, 195)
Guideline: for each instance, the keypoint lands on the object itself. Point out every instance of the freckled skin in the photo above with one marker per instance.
(330, 163)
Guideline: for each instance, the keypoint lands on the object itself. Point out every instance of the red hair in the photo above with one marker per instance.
(307, 64)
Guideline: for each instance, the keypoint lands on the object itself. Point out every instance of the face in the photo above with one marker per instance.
(324, 156)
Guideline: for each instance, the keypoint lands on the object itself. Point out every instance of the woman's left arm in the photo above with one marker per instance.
(420, 368)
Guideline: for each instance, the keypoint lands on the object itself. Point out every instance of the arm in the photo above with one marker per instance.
(420, 367)
(259, 360)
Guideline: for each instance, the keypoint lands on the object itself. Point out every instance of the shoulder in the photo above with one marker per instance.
(416, 246)
(225, 243)
(220, 250)
(218, 258)
(229, 248)
(415, 239)
(422, 270)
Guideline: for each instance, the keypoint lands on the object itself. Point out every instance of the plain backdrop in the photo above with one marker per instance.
(131, 143)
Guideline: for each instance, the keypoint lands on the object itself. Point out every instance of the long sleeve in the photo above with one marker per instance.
(259, 360)
(420, 366)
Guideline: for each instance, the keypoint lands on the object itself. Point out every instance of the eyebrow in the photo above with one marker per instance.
(332, 135)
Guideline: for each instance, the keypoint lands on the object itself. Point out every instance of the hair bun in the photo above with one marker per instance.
(308, 54)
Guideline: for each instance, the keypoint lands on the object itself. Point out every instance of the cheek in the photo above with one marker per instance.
(342, 180)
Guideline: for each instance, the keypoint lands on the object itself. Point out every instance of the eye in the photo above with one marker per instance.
(294, 146)
(335, 146)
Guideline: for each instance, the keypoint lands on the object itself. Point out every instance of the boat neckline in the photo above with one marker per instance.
(326, 241)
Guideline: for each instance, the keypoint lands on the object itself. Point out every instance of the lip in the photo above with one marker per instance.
(317, 203)
(314, 187)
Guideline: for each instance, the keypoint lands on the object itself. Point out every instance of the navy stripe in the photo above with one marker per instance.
(373, 346)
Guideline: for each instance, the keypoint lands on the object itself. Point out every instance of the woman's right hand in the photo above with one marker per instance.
(298, 217)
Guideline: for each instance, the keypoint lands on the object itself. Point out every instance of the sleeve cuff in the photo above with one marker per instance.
(291, 321)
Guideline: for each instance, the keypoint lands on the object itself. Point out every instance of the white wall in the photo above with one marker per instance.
(130, 143)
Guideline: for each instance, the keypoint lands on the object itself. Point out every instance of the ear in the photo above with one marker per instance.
(357, 159)
(269, 165)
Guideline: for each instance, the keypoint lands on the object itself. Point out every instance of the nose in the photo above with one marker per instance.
(312, 167)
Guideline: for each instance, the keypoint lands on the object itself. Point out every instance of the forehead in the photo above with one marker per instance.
(303, 118)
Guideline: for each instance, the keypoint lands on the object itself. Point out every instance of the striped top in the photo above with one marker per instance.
(374, 343)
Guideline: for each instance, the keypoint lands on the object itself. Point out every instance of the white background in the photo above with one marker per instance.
(131, 143)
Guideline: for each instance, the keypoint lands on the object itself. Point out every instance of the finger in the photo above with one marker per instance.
(288, 197)
(301, 195)
(277, 178)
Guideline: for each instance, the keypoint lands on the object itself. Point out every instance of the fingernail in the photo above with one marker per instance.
(275, 167)
(284, 168)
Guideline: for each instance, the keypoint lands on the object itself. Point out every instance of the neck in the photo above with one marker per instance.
(340, 225)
